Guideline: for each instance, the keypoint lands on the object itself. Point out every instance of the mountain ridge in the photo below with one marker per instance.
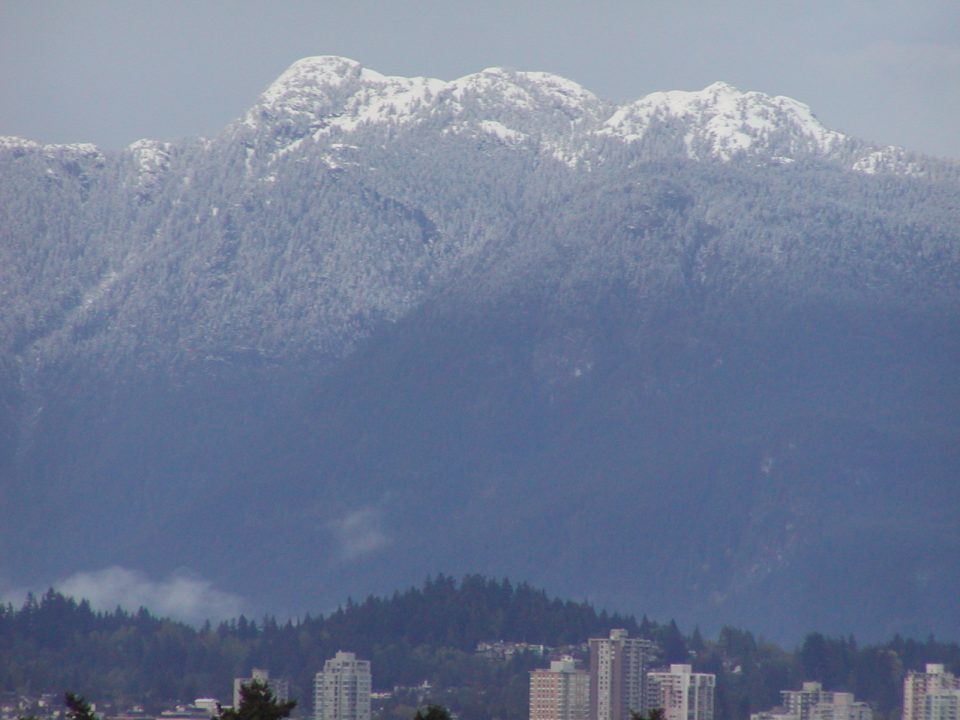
(333, 95)
(577, 359)
(725, 122)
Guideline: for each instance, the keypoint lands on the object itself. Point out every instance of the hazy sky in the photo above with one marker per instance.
(112, 72)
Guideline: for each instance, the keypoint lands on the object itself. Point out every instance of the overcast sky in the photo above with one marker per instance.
(112, 72)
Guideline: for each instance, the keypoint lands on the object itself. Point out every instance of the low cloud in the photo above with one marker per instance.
(359, 533)
(182, 595)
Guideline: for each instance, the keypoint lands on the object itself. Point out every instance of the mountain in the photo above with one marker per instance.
(693, 356)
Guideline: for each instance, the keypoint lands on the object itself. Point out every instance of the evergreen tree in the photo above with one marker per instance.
(78, 708)
(432, 712)
(257, 702)
(654, 714)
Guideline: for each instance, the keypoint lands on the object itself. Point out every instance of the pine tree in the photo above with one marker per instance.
(78, 708)
(654, 714)
(257, 702)
(432, 712)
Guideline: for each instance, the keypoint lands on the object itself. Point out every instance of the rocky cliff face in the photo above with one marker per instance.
(694, 355)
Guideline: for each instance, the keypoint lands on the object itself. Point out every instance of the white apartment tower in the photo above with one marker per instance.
(812, 702)
(682, 693)
(342, 690)
(618, 670)
(840, 706)
(560, 693)
(942, 705)
(919, 686)
(799, 703)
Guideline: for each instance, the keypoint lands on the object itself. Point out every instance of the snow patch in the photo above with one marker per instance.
(891, 159)
(501, 131)
(12, 142)
(74, 151)
(151, 157)
(721, 122)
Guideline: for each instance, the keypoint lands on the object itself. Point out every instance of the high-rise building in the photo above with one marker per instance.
(917, 686)
(618, 670)
(342, 690)
(840, 706)
(682, 693)
(942, 705)
(560, 693)
(280, 688)
(812, 702)
(799, 703)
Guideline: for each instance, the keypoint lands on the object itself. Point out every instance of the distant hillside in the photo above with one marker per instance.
(693, 356)
(427, 633)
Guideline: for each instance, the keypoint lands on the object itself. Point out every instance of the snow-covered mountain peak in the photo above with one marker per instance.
(311, 74)
(334, 101)
(152, 160)
(324, 91)
(147, 151)
(537, 91)
(719, 86)
(327, 97)
(341, 88)
(14, 142)
(721, 122)
(66, 151)
(306, 87)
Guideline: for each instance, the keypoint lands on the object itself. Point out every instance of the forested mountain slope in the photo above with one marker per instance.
(429, 633)
(693, 356)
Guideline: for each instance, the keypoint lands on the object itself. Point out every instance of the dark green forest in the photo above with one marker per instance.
(429, 633)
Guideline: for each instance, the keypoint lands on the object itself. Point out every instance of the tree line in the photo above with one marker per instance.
(430, 633)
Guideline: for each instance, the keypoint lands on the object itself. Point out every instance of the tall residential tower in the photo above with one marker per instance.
(931, 695)
(682, 693)
(342, 690)
(812, 702)
(560, 693)
(618, 669)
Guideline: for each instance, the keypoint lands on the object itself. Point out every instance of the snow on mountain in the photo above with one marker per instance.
(453, 281)
(553, 112)
(76, 160)
(561, 102)
(722, 122)
(891, 159)
(326, 92)
(330, 98)
(489, 128)
(63, 152)
(343, 95)
(152, 157)
(152, 160)
(75, 151)
(13, 142)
